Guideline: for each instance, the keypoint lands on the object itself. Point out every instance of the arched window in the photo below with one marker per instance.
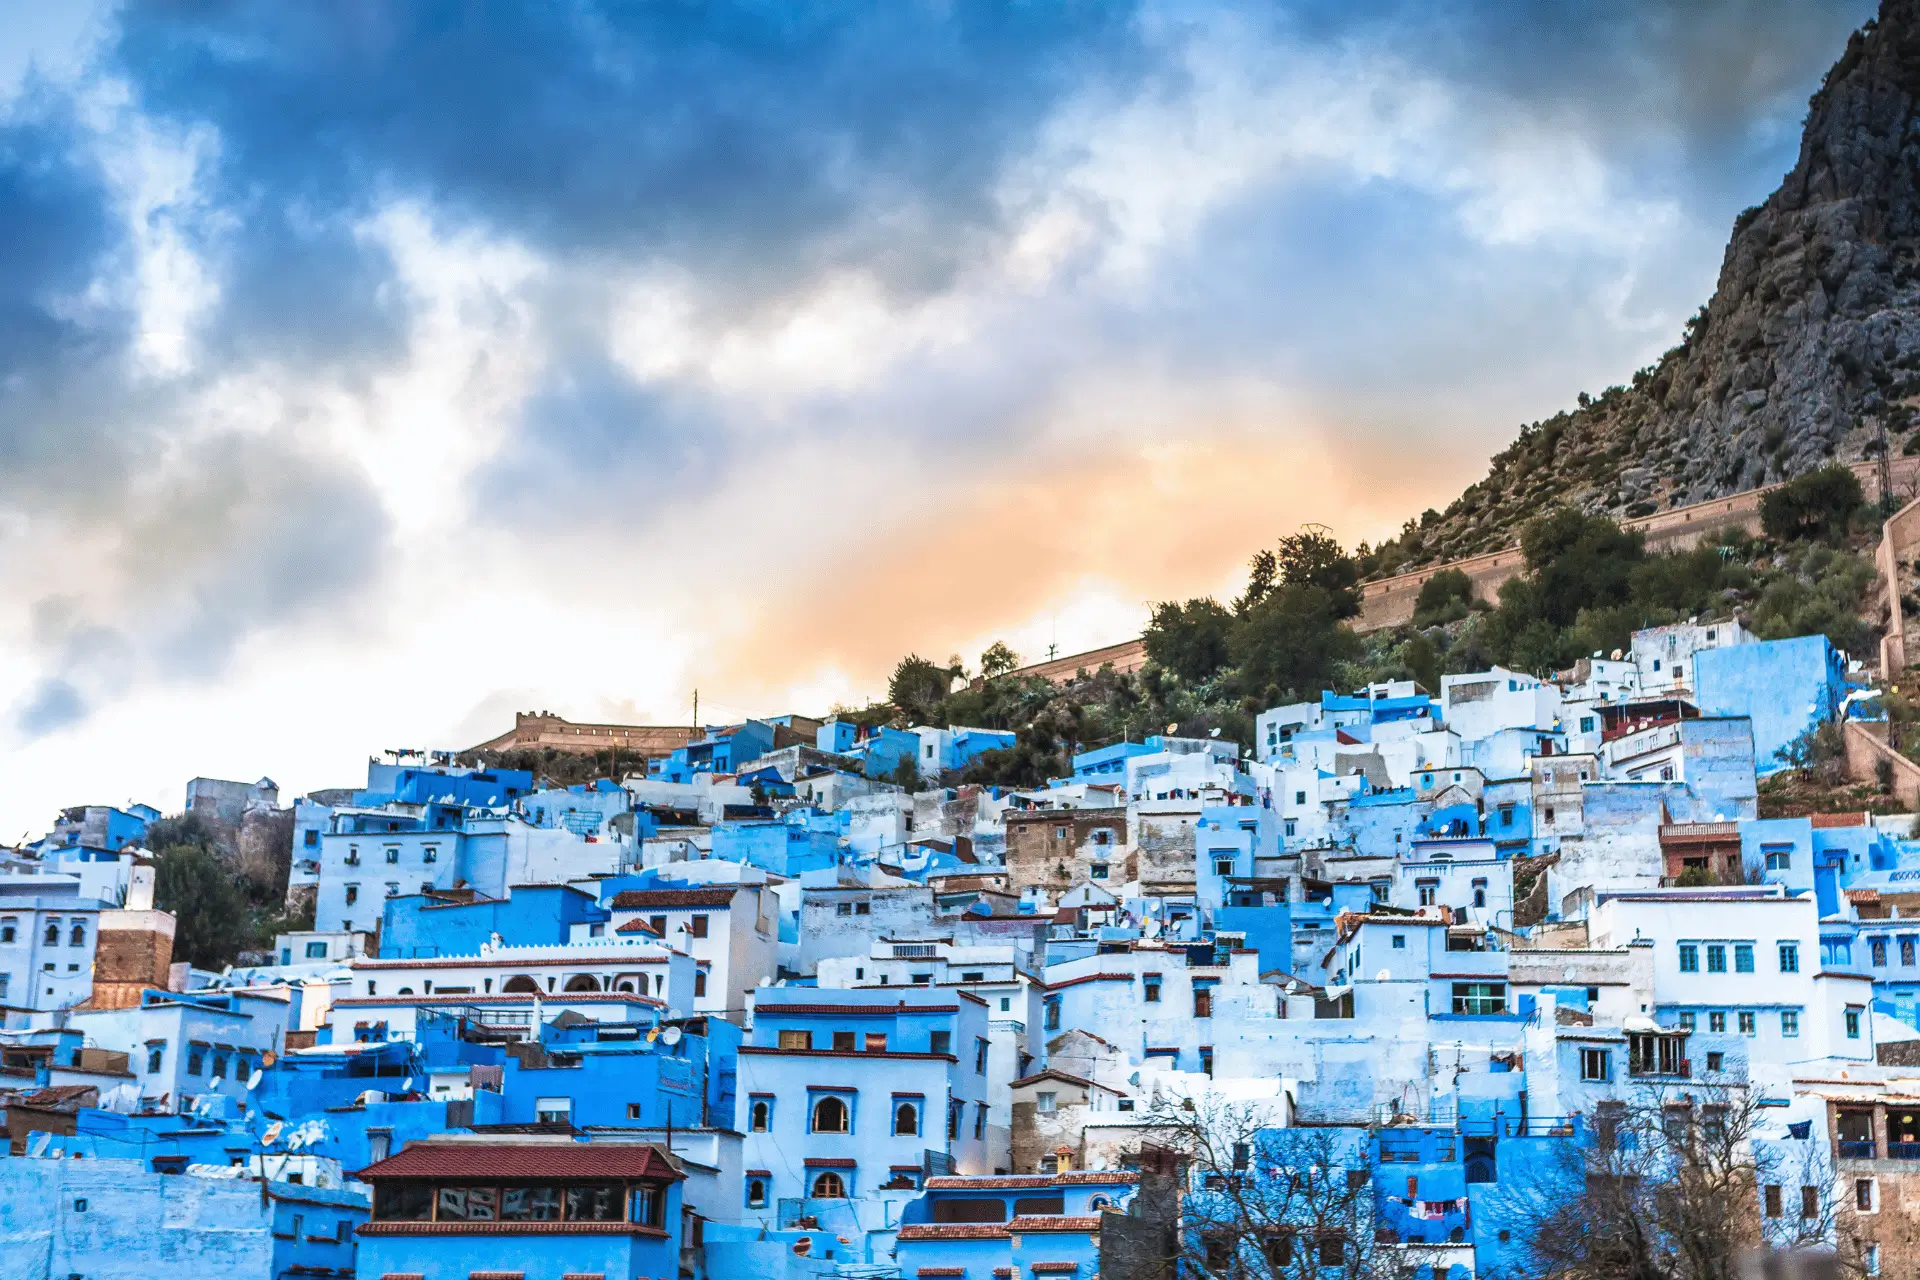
(756, 1193)
(828, 1186)
(1480, 1169)
(760, 1115)
(53, 934)
(830, 1116)
(406, 991)
(906, 1119)
(583, 982)
(1097, 1203)
(519, 984)
(7, 930)
(626, 984)
(78, 938)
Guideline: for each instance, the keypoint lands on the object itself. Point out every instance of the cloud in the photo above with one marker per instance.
(53, 705)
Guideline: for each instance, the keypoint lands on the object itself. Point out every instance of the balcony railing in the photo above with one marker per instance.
(1856, 1150)
(1903, 1150)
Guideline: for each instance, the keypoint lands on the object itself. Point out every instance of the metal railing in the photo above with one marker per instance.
(1857, 1150)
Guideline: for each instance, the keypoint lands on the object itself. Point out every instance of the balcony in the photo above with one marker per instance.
(1903, 1150)
(1860, 1150)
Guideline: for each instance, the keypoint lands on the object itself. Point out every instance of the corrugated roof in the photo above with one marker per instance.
(525, 1160)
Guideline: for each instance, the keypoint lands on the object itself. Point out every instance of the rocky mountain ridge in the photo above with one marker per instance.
(1808, 351)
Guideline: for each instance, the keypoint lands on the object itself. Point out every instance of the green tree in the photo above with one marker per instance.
(998, 660)
(1579, 561)
(917, 686)
(1445, 597)
(211, 924)
(1816, 504)
(1190, 639)
(1311, 558)
(1288, 645)
(906, 774)
(1263, 571)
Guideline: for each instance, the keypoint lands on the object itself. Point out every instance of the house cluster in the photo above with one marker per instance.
(757, 1009)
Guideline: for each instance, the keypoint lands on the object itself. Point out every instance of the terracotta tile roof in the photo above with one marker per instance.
(1027, 1181)
(496, 1275)
(941, 1271)
(831, 1162)
(1090, 977)
(762, 1173)
(1823, 820)
(1053, 1074)
(632, 899)
(771, 1009)
(509, 1229)
(1030, 1226)
(952, 1231)
(840, 1053)
(1053, 1268)
(524, 1160)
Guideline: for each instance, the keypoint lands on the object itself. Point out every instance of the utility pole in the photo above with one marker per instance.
(696, 711)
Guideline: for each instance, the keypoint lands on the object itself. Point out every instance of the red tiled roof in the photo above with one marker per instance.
(1053, 1268)
(840, 1053)
(628, 899)
(941, 1271)
(1823, 820)
(1091, 977)
(759, 1173)
(496, 1275)
(524, 1160)
(952, 1231)
(1027, 1181)
(402, 1275)
(397, 1228)
(771, 1008)
(831, 1162)
(1051, 1222)
(583, 1275)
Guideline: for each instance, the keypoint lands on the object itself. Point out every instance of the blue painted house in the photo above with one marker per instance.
(1785, 687)
(541, 1209)
(1017, 1225)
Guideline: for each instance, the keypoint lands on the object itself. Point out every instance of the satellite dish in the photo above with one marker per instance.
(408, 1086)
(674, 1014)
(671, 1036)
(1385, 975)
(253, 1081)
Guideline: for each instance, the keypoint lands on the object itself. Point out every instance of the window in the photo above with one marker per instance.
(1715, 1060)
(1053, 1014)
(830, 1115)
(1689, 958)
(393, 888)
(1870, 1259)
(1333, 1251)
(1771, 1196)
(863, 908)
(1479, 999)
(1717, 1022)
(1789, 957)
(1150, 987)
(1716, 958)
(1747, 1024)
(760, 1115)
(78, 938)
(1906, 950)
(8, 930)
(843, 1041)
(1863, 1197)
(658, 924)
(940, 1042)
(196, 1060)
(1809, 1202)
(920, 979)
(1596, 1064)
(1853, 1024)
(697, 927)
(1202, 1002)
(393, 855)
(430, 854)
(219, 1065)
(1045, 1102)
(633, 1111)
(1429, 891)
(316, 951)
(979, 1056)
(757, 1193)
(553, 1110)
(906, 1119)
(1290, 826)
(1223, 866)
(953, 1118)
(353, 894)
(1006, 1004)
(700, 983)
(1779, 859)
(1479, 893)
(1789, 1023)
(156, 1054)
(1399, 942)
(1098, 870)
(843, 909)
(53, 933)
(979, 1120)
(1877, 949)
(311, 839)
(648, 1206)
(796, 1040)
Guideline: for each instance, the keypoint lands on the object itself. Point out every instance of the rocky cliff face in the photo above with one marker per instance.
(1808, 351)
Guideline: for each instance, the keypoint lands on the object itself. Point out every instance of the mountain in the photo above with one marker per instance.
(1808, 350)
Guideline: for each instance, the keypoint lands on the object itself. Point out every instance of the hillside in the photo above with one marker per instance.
(1808, 351)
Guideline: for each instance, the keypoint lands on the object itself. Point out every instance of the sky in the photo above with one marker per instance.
(369, 372)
